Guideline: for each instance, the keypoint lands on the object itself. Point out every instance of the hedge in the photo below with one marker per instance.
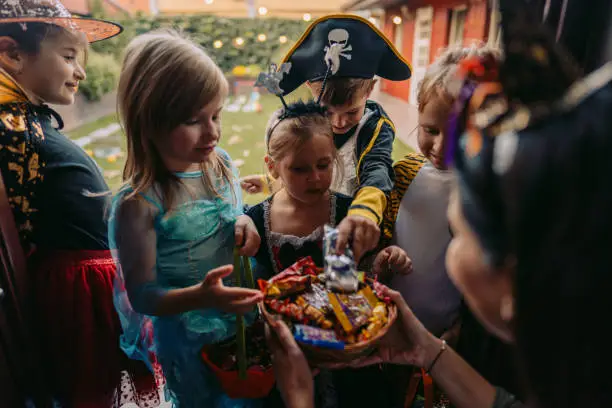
(204, 29)
(102, 75)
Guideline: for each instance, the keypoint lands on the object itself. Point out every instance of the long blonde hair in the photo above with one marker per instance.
(441, 72)
(165, 79)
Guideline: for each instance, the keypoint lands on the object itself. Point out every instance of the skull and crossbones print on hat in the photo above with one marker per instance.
(343, 46)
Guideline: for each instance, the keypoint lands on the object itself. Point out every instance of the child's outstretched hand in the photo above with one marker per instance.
(392, 259)
(247, 237)
(252, 184)
(215, 294)
(362, 232)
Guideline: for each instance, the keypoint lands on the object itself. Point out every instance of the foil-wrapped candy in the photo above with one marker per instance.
(339, 269)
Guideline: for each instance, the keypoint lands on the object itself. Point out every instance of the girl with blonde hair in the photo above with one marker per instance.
(176, 221)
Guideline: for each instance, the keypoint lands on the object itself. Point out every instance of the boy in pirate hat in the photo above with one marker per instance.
(62, 229)
(338, 57)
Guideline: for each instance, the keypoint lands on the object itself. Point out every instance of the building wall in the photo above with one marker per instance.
(110, 6)
(398, 89)
(439, 32)
(77, 6)
(237, 8)
(135, 5)
(476, 24)
(475, 30)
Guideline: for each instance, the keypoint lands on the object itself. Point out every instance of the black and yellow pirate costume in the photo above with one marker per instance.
(351, 47)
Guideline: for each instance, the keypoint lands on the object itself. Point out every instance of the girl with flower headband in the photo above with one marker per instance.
(61, 227)
(531, 233)
(176, 222)
(302, 157)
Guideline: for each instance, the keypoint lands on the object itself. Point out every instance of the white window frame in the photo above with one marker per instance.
(494, 39)
(423, 22)
(455, 38)
(398, 36)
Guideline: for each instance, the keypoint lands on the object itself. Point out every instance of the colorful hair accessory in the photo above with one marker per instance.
(456, 122)
(271, 80)
(482, 69)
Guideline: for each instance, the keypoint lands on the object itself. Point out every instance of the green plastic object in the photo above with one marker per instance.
(241, 354)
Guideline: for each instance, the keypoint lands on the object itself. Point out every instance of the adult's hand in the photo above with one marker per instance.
(293, 375)
(407, 342)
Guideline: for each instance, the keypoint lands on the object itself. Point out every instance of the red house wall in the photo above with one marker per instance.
(398, 89)
(439, 32)
(135, 5)
(475, 29)
(476, 23)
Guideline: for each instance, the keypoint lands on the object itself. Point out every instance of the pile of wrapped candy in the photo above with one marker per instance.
(330, 307)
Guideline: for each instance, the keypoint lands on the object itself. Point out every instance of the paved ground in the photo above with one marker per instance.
(403, 115)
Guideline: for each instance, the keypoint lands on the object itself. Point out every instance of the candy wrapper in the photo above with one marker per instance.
(317, 297)
(288, 286)
(340, 270)
(303, 266)
(315, 336)
(313, 314)
(379, 289)
(331, 326)
(354, 310)
(375, 323)
(295, 279)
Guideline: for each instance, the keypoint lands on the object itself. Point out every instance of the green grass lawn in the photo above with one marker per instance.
(242, 138)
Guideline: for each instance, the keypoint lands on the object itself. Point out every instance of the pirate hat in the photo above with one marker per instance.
(343, 46)
(54, 12)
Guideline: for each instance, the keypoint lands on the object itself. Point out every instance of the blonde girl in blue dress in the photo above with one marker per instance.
(175, 223)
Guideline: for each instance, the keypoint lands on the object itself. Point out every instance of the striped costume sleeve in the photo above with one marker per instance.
(405, 171)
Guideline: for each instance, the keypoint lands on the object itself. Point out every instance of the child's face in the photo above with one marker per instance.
(432, 130)
(53, 75)
(307, 173)
(192, 142)
(343, 117)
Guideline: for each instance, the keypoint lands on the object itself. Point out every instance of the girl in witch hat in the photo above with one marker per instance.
(61, 228)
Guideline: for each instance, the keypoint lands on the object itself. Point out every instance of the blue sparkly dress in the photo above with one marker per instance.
(196, 236)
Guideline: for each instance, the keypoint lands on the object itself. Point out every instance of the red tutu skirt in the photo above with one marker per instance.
(78, 329)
